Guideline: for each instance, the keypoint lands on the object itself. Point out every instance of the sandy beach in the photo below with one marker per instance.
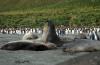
(25, 57)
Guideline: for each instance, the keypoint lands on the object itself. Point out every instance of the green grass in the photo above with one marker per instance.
(69, 12)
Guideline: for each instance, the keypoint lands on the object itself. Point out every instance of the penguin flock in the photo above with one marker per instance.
(20, 30)
(90, 33)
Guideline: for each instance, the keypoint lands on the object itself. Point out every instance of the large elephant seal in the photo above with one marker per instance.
(82, 45)
(50, 34)
(49, 40)
(24, 45)
(28, 45)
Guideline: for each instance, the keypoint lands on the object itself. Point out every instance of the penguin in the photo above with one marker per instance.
(93, 35)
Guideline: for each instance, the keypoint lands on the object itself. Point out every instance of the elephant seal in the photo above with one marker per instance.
(29, 36)
(24, 45)
(82, 45)
(49, 40)
(28, 45)
(49, 34)
(81, 36)
(52, 36)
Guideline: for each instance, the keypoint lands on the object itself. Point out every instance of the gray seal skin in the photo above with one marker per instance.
(24, 46)
(27, 45)
(49, 40)
(82, 45)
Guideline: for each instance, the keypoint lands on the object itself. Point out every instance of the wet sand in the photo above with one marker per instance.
(93, 58)
(50, 57)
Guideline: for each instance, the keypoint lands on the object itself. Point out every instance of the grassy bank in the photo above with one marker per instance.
(32, 13)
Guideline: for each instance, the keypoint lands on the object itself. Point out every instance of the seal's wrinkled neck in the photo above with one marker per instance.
(49, 33)
(45, 33)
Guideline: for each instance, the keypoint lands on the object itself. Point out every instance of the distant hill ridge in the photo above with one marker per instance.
(38, 5)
